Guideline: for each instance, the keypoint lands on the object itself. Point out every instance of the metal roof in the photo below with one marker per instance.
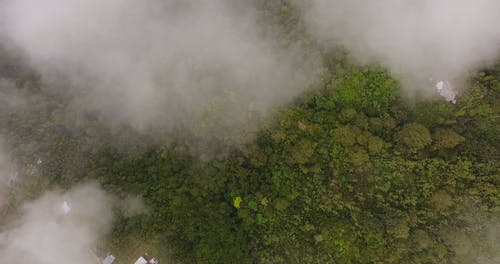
(109, 259)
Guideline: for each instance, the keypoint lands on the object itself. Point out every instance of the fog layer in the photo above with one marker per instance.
(46, 233)
(415, 39)
(168, 64)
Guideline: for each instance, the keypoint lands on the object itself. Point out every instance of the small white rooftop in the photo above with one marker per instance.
(445, 89)
(109, 259)
(141, 260)
(65, 208)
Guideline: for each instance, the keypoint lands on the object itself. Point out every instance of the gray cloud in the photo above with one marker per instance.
(203, 65)
(415, 39)
(44, 234)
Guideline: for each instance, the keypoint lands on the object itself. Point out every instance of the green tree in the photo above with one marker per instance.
(346, 135)
(414, 136)
(446, 139)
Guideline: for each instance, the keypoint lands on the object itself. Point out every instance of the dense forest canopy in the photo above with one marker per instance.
(352, 169)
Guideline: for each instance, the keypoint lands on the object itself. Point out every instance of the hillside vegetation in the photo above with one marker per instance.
(350, 172)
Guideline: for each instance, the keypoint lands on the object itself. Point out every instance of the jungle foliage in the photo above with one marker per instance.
(350, 172)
